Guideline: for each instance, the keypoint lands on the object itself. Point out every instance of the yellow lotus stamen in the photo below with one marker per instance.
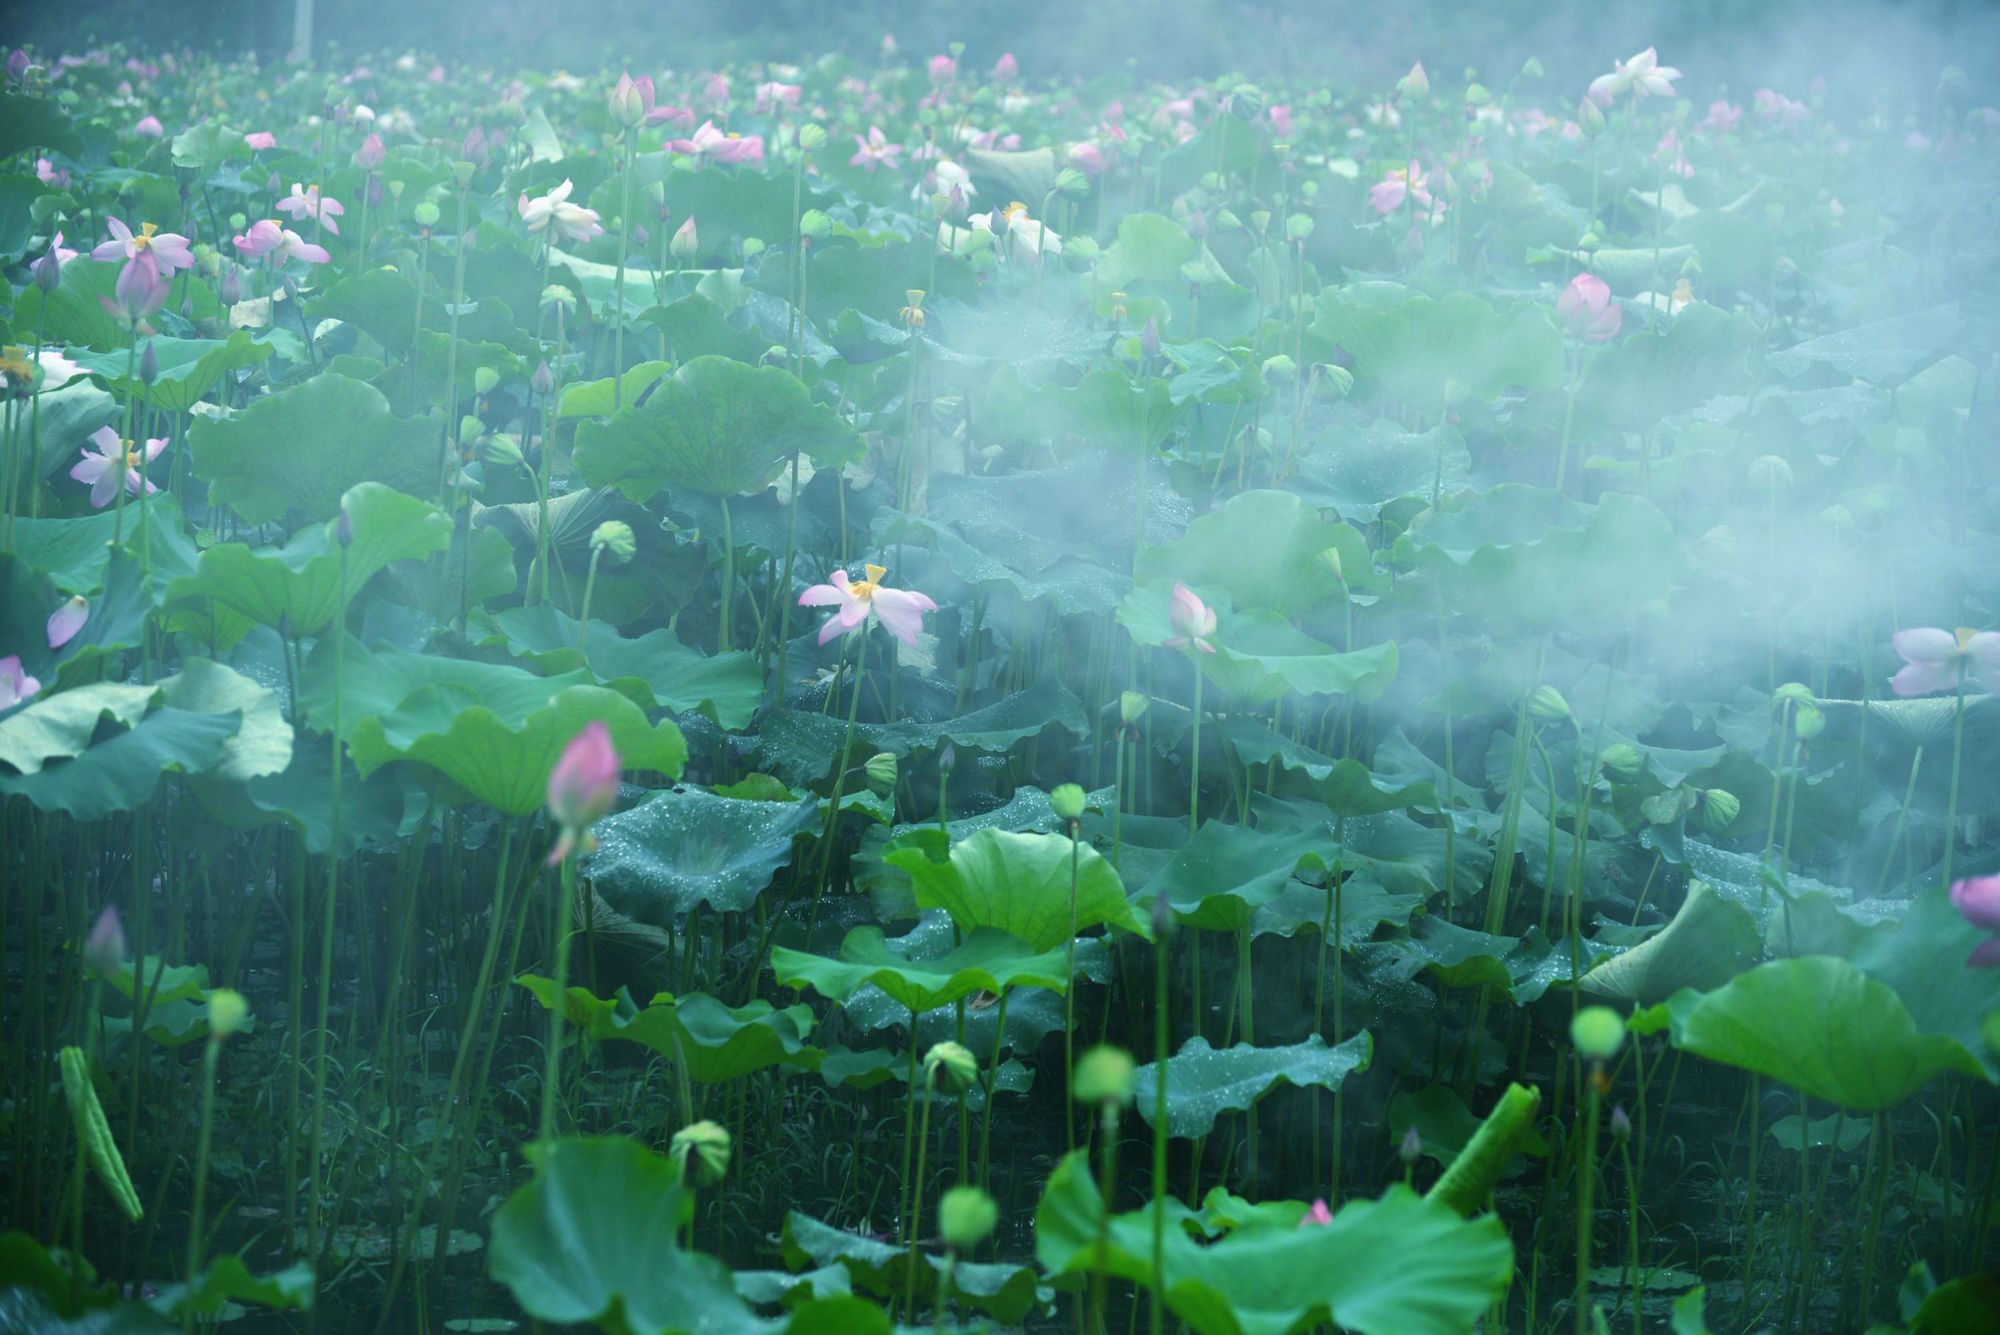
(864, 589)
(145, 237)
(1964, 636)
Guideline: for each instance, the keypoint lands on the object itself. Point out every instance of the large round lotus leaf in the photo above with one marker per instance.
(1223, 875)
(74, 552)
(1633, 383)
(120, 772)
(801, 747)
(1422, 350)
(1709, 942)
(988, 960)
(1006, 1292)
(303, 447)
(592, 1238)
(1923, 959)
(716, 426)
(262, 745)
(1821, 1025)
(60, 726)
(1264, 547)
(686, 846)
(1400, 1265)
(713, 1041)
(188, 367)
(655, 669)
(1021, 884)
(1203, 1083)
(1360, 471)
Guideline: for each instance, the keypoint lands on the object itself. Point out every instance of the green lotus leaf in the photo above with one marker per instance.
(686, 846)
(1015, 174)
(717, 427)
(713, 1041)
(600, 398)
(36, 122)
(1423, 350)
(593, 1238)
(304, 447)
(381, 303)
(188, 368)
(1709, 941)
(1821, 1025)
(988, 960)
(226, 1280)
(1399, 1265)
(60, 726)
(1005, 1292)
(1203, 1082)
(1359, 472)
(1468, 1181)
(1021, 884)
(74, 315)
(120, 772)
(1922, 959)
(74, 553)
(262, 745)
(1264, 547)
(1226, 873)
(801, 747)
(655, 669)
(1633, 383)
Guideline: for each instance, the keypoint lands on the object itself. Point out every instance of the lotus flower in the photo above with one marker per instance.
(149, 127)
(1777, 109)
(901, 611)
(1937, 660)
(104, 948)
(1193, 620)
(1641, 76)
(1586, 310)
(1280, 117)
(169, 249)
(709, 142)
(15, 685)
(1318, 1216)
(261, 139)
(1978, 898)
(572, 220)
(306, 202)
(583, 787)
(772, 95)
(1411, 183)
(1006, 68)
(102, 467)
(1031, 238)
(369, 156)
(1721, 118)
(874, 151)
(267, 240)
(68, 619)
(942, 69)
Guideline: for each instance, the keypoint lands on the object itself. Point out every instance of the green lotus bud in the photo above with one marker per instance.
(1067, 801)
(426, 214)
(1331, 383)
(1104, 1075)
(1719, 809)
(1621, 1124)
(616, 537)
(1622, 761)
(484, 380)
(704, 1147)
(812, 138)
(1590, 240)
(1598, 1032)
(881, 770)
(1590, 117)
(227, 1010)
(1548, 705)
(1131, 707)
(967, 1217)
(815, 224)
(1280, 369)
(1808, 722)
(1533, 68)
(470, 427)
(1330, 558)
(951, 1067)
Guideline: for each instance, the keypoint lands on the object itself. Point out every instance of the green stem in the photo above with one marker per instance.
(1951, 805)
(583, 616)
(1160, 1041)
(1069, 999)
(722, 637)
(618, 294)
(1194, 761)
(328, 919)
(917, 1201)
(552, 1068)
(1585, 1188)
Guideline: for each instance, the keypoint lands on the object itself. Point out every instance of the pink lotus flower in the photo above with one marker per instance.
(1722, 117)
(68, 619)
(1086, 157)
(169, 249)
(715, 92)
(63, 254)
(15, 685)
(709, 142)
(1586, 311)
(369, 156)
(901, 611)
(874, 151)
(1978, 899)
(139, 290)
(1281, 120)
(1642, 76)
(261, 139)
(1319, 1215)
(306, 202)
(113, 458)
(1192, 619)
(49, 174)
(583, 787)
(104, 949)
(1006, 69)
(1404, 183)
(149, 127)
(1776, 109)
(942, 69)
(771, 96)
(267, 240)
(572, 220)
(1937, 660)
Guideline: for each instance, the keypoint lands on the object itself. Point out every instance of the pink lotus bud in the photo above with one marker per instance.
(474, 150)
(1416, 83)
(139, 290)
(1586, 311)
(583, 787)
(943, 69)
(626, 106)
(47, 271)
(685, 244)
(543, 380)
(369, 156)
(261, 139)
(104, 948)
(1149, 336)
(1006, 68)
(149, 127)
(231, 290)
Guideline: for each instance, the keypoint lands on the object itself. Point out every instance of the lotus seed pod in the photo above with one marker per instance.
(1622, 761)
(1260, 219)
(752, 245)
(1808, 722)
(1598, 1032)
(1770, 470)
(812, 137)
(1280, 369)
(1548, 705)
(951, 1067)
(816, 224)
(704, 1148)
(470, 427)
(1067, 801)
(616, 537)
(484, 380)
(967, 1217)
(227, 1010)
(1719, 809)
(1332, 383)
(1131, 707)
(1246, 100)
(501, 448)
(426, 214)
(881, 770)
(1104, 1075)
(1412, 1146)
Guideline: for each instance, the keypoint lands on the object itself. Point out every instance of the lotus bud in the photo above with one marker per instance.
(47, 270)
(947, 759)
(1279, 370)
(881, 771)
(1598, 1032)
(951, 1067)
(231, 290)
(1621, 1124)
(1104, 1076)
(343, 528)
(1067, 802)
(1131, 707)
(484, 380)
(543, 380)
(704, 1147)
(1331, 383)
(627, 108)
(811, 138)
(1477, 95)
(227, 1010)
(1532, 69)
(1719, 809)
(1622, 761)
(1590, 117)
(1416, 83)
(967, 1217)
(149, 364)
(640, 236)
(1548, 705)
(1411, 1148)
(426, 213)
(685, 244)
(616, 537)
(104, 948)
(1149, 336)
(1163, 918)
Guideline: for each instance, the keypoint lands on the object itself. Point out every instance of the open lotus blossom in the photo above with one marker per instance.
(104, 949)
(901, 611)
(942, 69)
(169, 249)
(306, 202)
(583, 787)
(1586, 311)
(1978, 899)
(1721, 118)
(67, 620)
(101, 467)
(1937, 660)
(1774, 108)
(573, 220)
(15, 685)
(1006, 68)
(772, 95)
(267, 240)
(1318, 1216)
(1404, 183)
(1641, 76)
(709, 142)
(261, 139)
(1192, 619)
(1025, 236)
(1280, 117)
(874, 151)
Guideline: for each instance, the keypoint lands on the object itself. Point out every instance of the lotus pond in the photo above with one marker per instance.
(887, 694)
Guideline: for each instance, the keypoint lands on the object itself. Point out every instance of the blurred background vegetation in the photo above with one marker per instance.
(1884, 46)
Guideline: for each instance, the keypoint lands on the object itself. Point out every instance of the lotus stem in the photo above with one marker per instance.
(1585, 1190)
(917, 1187)
(552, 1068)
(314, 1164)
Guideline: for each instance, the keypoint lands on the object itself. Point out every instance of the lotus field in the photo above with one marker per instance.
(893, 695)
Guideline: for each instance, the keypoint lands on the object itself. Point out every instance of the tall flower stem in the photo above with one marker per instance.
(583, 613)
(618, 291)
(552, 1064)
(315, 1166)
(992, 1075)
(209, 1061)
(1158, 1307)
(1069, 1001)
(917, 1194)
(1951, 803)
(839, 784)
(1194, 759)
(1586, 1186)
